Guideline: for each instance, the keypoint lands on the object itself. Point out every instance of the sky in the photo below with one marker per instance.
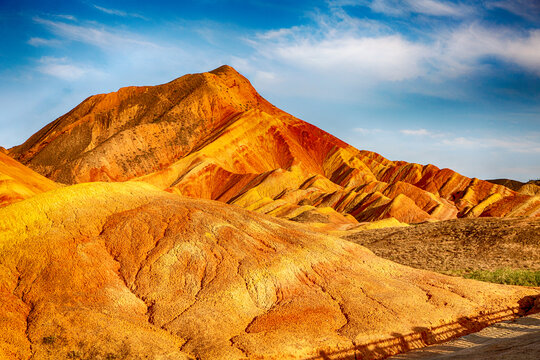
(451, 83)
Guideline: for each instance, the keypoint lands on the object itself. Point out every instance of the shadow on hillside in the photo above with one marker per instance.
(421, 337)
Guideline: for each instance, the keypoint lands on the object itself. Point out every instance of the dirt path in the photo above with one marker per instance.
(517, 339)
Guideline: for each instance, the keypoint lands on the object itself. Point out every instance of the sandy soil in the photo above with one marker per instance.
(459, 245)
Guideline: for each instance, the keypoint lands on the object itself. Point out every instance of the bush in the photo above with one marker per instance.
(506, 276)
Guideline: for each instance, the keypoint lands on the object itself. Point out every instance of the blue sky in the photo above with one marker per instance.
(453, 83)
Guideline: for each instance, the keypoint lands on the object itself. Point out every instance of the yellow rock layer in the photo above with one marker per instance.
(105, 270)
(17, 182)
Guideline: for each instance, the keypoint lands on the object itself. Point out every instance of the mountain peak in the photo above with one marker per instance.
(211, 135)
(225, 69)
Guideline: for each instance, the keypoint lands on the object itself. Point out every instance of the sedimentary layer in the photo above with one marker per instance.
(212, 136)
(125, 270)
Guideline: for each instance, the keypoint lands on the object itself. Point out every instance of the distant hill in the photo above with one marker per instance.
(531, 187)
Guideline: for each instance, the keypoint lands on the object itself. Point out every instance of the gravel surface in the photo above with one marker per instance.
(459, 245)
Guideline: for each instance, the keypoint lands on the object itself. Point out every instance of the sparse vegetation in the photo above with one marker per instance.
(507, 276)
(73, 355)
(48, 340)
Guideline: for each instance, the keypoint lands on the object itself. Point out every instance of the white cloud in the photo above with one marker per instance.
(37, 41)
(462, 49)
(66, 17)
(341, 47)
(438, 8)
(93, 34)
(118, 12)
(418, 132)
(405, 7)
(460, 142)
(61, 68)
(528, 9)
(277, 34)
(389, 58)
(510, 144)
(266, 75)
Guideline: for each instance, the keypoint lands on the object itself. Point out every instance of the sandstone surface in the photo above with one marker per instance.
(125, 270)
(18, 182)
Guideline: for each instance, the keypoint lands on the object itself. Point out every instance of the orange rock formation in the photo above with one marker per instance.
(17, 182)
(125, 270)
(211, 135)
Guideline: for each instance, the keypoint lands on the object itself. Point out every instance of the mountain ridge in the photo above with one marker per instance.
(211, 135)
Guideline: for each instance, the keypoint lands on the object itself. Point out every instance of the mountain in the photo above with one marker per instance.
(128, 271)
(531, 187)
(18, 182)
(212, 136)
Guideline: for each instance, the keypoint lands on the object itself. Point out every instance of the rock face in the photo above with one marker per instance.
(125, 270)
(212, 136)
(18, 182)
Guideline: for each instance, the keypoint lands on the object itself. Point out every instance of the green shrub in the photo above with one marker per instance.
(506, 276)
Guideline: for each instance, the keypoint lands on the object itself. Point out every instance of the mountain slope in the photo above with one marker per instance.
(17, 182)
(532, 187)
(124, 270)
(211, 135)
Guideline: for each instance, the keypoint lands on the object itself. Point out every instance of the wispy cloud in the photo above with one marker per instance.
(62, 68)
(94, 34)
(66, 17)
(462, 49)
(510, 144)
(462, 142)
(527, 9)
(37, 41)
(388, 58)
(405, 7)
(439, 8)
(418, 132)
(119, 12)
(338, 44)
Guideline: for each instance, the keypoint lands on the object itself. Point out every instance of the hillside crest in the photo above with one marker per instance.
(211, 135)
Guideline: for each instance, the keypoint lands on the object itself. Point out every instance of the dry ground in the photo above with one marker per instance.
(517, 339)
(460, 245)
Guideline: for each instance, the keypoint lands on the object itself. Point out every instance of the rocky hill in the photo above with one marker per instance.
(531, 187)
(212, 136)
(125, 270)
